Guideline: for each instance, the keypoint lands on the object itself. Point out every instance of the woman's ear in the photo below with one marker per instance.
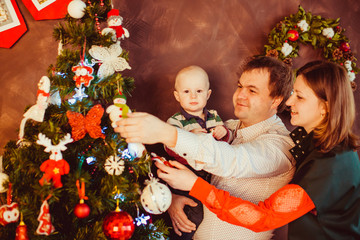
(324, 108)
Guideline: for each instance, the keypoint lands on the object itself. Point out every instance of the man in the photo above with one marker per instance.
(256, 164)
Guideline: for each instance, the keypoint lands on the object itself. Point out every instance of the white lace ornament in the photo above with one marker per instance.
(110, 59)
(156, 197)
(114, 165)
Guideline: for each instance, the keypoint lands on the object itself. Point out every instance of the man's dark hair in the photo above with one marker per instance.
(281, 77)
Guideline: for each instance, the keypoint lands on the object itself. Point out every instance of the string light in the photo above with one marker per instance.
(142, 220)
(90, 160)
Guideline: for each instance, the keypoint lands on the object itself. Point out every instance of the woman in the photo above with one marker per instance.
(323, 199)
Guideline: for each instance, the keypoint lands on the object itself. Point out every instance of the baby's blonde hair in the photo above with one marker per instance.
(191, 69)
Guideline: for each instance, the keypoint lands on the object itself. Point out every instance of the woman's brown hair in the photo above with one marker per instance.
(330, 83)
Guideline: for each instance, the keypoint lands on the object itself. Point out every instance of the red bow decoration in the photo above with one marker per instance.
(90, 124)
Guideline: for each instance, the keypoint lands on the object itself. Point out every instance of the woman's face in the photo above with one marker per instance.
(307, 110)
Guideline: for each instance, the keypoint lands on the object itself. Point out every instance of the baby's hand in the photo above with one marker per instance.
(199, 130)
(219, 132)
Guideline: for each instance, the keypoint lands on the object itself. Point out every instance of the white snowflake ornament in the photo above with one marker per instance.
(114, 165)
(156, 197)
(110, 59)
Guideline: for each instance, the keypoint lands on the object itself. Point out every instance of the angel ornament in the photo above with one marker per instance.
(110, 59)
(37, 111)
(114, 21)
(55, 166)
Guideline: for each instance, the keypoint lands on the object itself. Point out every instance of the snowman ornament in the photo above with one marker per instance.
(114, 21)
(120, 110)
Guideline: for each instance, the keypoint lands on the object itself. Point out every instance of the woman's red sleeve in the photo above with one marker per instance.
(285, 205)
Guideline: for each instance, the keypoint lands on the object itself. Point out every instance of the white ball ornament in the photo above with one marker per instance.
(136, 150)
(156, 197)
(3, 178)
(76, 9)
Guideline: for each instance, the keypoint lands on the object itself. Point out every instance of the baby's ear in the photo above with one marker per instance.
(177, 97)
(208, 94)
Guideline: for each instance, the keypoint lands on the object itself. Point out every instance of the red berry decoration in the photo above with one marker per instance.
(82, 210)
(344, 46)
(293, 35)
(118, 225)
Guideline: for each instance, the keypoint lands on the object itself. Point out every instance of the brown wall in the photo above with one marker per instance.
(166, 35)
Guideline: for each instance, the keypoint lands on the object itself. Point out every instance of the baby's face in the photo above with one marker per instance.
(192, 92)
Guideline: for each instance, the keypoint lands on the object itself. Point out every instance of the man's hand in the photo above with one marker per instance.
(178, 217)
(219, 132)
(145, 128)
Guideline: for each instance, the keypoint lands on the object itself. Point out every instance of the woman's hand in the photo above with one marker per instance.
(178, 177)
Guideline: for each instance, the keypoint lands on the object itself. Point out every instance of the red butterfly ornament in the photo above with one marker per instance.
(86, 124)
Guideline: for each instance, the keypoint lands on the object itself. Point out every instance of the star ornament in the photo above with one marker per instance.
(79, 95)
(110, 59)
(142, 220)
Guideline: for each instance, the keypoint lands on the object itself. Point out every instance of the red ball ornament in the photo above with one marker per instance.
(293, 35)
(82, 210)
(118, 225)
(344, 46)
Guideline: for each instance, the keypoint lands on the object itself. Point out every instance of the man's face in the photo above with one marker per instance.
(252, 101)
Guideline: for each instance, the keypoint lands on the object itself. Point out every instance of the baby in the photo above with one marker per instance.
(192, 90)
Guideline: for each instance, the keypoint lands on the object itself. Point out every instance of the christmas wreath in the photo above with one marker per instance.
(305, 28)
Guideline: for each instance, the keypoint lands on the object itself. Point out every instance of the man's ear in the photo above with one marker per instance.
(208, 94)
(177, 97)
(276, 102)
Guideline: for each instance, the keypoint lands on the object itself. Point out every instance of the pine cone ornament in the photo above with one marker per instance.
(338, 29)
(272, 53)
(337, 54)
(353, 86)
(279, 26)
(348, 56)
(288, 61)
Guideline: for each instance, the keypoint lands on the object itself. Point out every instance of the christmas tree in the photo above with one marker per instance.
(70, 176)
